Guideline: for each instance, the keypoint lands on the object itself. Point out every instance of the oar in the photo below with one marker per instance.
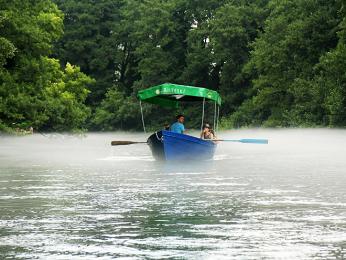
(247, 141)
(126, 142)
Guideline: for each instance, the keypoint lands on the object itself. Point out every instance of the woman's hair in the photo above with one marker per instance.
(206, 126)
(211, 130)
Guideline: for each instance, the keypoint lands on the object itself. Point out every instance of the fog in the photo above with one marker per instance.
(308, 145)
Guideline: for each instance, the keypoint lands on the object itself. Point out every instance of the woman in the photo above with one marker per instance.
(207, 132)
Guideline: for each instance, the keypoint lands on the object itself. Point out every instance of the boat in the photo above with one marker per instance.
(166, 145)
(170, 146)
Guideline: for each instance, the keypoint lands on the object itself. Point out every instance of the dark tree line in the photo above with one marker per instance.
(275, 62)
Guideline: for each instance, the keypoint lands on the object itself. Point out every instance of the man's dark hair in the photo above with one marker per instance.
(179, 116)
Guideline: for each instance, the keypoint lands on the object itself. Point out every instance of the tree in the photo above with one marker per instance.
(97, 39)
(64, 96)
(33, 88)
(330, 79)
(296, 35)
(117, 112)
(234, 27)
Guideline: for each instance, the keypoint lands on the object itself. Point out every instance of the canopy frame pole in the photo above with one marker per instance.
(202, 123)
(217, 118)
(214, 123)
(140, 104)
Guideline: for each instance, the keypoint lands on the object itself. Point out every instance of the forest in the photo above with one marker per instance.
(70, 65)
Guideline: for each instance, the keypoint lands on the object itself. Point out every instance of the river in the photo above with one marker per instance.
(76, 197)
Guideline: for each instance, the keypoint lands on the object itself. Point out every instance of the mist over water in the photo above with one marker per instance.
(69, 197)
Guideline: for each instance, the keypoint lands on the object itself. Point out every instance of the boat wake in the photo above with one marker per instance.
(225, 157)
(127, 158)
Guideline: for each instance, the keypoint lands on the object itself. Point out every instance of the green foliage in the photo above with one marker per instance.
(331, 79)
(235, 25)
(285, 58)
(275, 63)
(97, 40)
(117, 112)
(64, 96)
(34, 91)
(54, 102)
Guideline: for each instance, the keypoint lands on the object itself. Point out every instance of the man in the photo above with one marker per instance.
(178, 127)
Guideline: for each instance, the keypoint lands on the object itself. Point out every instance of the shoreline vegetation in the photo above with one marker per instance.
(77, 66)
(84, 133)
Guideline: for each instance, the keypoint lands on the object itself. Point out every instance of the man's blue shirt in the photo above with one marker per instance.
(177, 128)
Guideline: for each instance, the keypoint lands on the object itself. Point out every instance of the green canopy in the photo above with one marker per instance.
(169, 95)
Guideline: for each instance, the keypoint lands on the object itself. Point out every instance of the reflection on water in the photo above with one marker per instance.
(78, 198)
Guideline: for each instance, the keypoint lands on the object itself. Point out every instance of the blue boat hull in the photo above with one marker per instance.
(166, 145)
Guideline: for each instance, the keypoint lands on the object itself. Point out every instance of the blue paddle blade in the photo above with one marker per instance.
(254, 141)
(246, 141)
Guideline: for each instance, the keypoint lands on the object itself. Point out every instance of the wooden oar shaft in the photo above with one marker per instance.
(126, 142)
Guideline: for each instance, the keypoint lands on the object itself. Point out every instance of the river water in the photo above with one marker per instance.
(70, 197)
